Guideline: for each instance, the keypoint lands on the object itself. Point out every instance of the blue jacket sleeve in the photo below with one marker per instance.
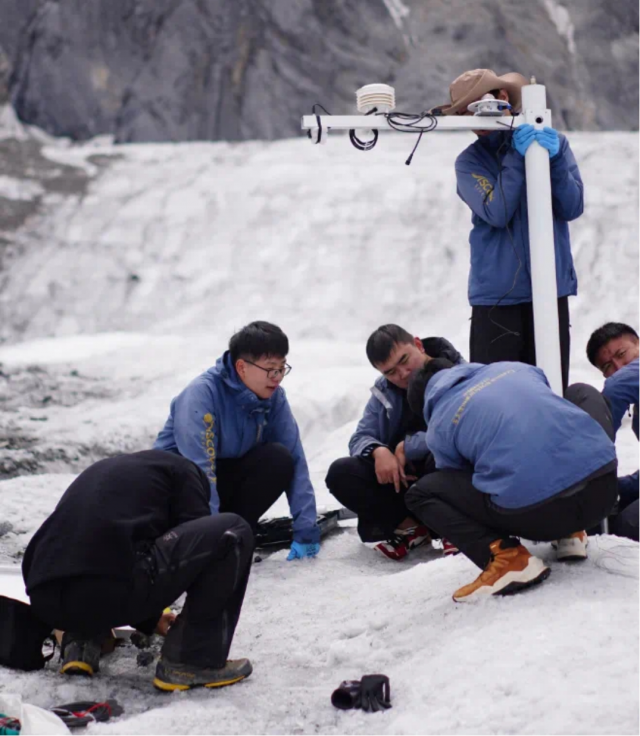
(621, 389)
(415, 446)
(196, 433)
(283, 428)
(567, 190)
(494, 202)
(445, 452)
(368, 430)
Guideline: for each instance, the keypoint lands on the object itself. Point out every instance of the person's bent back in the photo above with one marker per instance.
(128, 537)
(514, 460)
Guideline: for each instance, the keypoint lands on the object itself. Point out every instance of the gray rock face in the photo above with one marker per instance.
(174, 70)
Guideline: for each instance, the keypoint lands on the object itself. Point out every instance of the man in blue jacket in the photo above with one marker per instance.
(614, 350)
(388, 447)
(234, 422)
(491, 181)
(514, 460)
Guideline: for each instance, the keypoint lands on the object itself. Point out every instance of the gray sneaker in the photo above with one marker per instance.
(174, 676)
(80, 656)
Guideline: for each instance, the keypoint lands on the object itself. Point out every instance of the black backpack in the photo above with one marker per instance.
(22, 636)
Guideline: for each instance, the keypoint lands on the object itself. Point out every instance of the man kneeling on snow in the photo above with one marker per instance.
(235, 423)
(128, 537)
(514, 460)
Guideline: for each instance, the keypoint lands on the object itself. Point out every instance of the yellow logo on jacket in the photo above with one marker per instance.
(484, 186)
(209, 445)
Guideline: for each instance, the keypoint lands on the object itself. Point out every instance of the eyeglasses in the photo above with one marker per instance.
(272, 373)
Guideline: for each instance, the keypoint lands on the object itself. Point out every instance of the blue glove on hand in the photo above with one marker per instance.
(523, 137)
(299, 551)
(548, 138)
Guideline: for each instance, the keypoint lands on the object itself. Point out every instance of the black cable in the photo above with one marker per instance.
(397, 121)
(318, 121)
(364, 145)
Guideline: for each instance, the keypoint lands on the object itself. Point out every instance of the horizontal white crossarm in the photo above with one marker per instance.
(380, 122)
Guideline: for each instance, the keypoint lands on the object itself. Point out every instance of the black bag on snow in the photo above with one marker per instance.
(22, 635)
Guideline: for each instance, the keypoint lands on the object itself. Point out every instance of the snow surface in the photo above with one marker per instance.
(329, 243)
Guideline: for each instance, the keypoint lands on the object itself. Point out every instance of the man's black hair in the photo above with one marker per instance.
(419, 380)
(600, 337)
(381, 342)
(258, 339)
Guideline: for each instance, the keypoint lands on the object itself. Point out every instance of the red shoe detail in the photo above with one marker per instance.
(448, 548)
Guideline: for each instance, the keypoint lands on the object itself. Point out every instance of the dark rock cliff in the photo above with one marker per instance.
(173, 70)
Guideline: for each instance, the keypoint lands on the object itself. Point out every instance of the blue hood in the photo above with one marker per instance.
(243, 396)
(443, 381)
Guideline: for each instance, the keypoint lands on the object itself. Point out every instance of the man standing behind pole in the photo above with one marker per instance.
(490, 177)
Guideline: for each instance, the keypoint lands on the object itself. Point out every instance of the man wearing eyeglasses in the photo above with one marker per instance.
(234, 422)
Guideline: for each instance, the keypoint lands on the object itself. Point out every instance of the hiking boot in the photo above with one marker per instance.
(573, 548)
(510, 570)
(449, 549)
(80, 656)
(173, 676)
(403, 541)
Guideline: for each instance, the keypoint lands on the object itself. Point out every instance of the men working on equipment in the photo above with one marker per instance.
(490, 176)
(128, 537)
(614, 350)
(235, 423)
(514, 460)
(388, 447)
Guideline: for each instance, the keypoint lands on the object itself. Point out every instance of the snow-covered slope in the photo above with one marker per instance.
(115, 298)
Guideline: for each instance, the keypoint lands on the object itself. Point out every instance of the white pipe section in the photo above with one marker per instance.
(541, 241)
(379, 122)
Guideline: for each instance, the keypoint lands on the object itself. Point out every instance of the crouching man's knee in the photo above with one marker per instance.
(280, 462)
(417, 494)
(338, 471)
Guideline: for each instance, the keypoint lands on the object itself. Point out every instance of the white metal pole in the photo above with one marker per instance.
(541, 241)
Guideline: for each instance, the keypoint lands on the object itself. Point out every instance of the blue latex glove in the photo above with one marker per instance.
(548, 138)
(523, 137)
(299, 551)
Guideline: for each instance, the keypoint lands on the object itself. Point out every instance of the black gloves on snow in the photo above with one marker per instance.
(372, 693)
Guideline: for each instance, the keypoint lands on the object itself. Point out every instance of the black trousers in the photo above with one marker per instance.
(353, 481)
(625, 524)
(506, 333)
(448, 502)
(251, 484)
(208, 558)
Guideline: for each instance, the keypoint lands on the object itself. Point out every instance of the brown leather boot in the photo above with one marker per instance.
(510, 570)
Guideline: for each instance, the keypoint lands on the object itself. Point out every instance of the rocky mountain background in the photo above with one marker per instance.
(177, 70)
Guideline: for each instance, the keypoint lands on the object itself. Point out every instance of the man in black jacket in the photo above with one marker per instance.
(388, 448)
(128, 537)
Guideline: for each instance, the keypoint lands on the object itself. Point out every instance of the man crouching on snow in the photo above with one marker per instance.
(388, 447)
(128, 537)
(514, 460)
(235, 423)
